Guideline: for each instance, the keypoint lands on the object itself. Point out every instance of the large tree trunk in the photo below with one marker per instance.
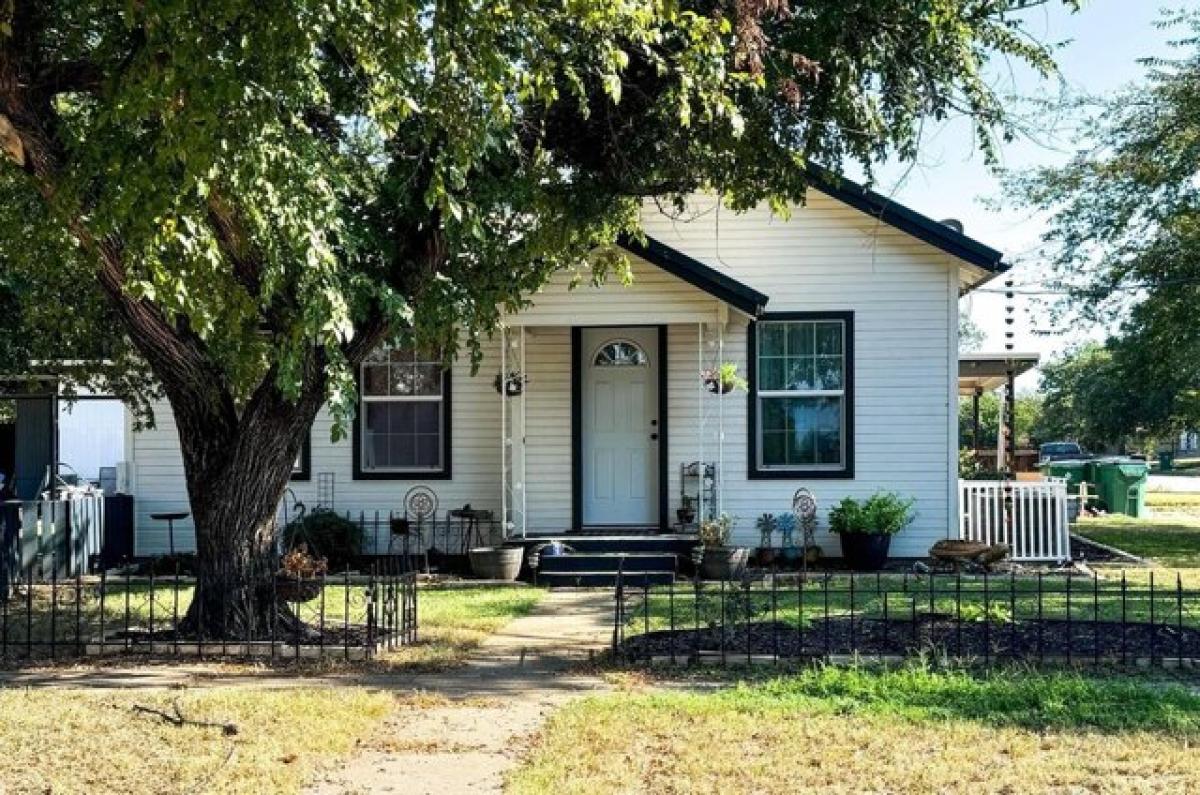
(236, 476)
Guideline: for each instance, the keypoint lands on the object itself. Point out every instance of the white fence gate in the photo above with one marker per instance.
(1029, 516)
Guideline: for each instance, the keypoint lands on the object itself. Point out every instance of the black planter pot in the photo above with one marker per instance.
(297, 589)
(865, 551)
(718, 387)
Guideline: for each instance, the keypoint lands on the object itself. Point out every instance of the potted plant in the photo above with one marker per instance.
(866, 528)
(512, 383)
(300, 576)
(686, 512)
(721, 561)
(723, 379)
(766, 525)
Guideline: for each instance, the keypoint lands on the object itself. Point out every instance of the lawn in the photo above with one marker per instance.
(859, 730)
(1170, 536)
(64, 741)
(454, 622)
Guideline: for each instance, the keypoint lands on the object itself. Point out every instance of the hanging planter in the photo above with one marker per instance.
(512, 384)
(723, 379)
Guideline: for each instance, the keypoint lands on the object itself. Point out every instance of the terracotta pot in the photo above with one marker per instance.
(497, 563)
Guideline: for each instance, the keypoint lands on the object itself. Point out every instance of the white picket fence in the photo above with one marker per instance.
(1029, 516)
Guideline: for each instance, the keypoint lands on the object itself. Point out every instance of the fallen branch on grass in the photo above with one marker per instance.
(179, 719)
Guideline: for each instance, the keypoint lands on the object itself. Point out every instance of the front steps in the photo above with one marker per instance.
(594, 560)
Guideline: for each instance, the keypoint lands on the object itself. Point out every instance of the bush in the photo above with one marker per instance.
(327, 535)
(884, 513)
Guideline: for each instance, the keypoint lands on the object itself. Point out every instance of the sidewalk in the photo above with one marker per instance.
(505, 693)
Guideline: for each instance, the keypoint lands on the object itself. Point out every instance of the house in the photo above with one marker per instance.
(843, 317)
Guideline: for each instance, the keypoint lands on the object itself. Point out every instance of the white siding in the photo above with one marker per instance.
(827, 256)
(830, 257)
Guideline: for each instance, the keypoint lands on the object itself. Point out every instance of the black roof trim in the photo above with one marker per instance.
(935, 233)
(696, 273)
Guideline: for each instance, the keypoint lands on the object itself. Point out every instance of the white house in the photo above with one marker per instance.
(843, 317)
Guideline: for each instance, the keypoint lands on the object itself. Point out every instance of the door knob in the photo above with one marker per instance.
(654, 437)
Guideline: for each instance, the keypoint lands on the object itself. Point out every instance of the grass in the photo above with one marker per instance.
(64, 741)
(454, 622)
(1167, 540)
(911, 729)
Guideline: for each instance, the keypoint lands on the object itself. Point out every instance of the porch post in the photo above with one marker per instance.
(975, 396)
(699, 424)
(1011, 435)
(504, 444)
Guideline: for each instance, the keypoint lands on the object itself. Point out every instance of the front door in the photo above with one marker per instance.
(620, 426)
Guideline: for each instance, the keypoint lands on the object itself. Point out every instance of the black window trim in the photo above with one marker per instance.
(444, 473)
(846, 471)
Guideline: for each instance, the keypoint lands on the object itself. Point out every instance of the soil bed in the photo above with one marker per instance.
(1023, 639)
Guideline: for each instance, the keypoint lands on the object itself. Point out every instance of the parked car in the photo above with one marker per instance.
(1060, 451)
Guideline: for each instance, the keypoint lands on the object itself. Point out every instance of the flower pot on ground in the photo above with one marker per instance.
(497, 563)
(865, 528)
(767, 556)
(724, 563)
(721, 561)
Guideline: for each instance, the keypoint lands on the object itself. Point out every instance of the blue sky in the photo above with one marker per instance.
(1101, 45)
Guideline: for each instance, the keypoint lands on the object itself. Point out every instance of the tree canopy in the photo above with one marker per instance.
(1123, 245)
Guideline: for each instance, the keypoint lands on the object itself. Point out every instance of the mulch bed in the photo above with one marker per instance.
(1027, 640)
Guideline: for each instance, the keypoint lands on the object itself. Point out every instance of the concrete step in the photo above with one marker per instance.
(609, 561)
(602, 579)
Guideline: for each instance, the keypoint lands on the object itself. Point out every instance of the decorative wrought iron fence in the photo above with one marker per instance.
(1132, 618)
(352, 616)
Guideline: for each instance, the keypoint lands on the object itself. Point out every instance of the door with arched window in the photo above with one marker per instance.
(620, 426)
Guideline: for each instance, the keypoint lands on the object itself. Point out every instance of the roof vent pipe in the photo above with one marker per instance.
(954, 224)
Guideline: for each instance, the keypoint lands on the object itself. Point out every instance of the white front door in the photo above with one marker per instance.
(620, 426)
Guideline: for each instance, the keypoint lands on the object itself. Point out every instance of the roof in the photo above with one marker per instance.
(935, 233)
(696, 273)
(987, 371)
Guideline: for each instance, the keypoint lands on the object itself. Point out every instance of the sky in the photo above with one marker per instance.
(1100, 48)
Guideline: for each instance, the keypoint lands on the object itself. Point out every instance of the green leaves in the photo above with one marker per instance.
(293, 182)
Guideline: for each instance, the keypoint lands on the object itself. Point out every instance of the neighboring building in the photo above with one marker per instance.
(844, 318)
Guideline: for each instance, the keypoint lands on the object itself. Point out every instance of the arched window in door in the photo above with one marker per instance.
(620, 353)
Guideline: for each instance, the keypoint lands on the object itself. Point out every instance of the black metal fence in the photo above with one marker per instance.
(349, 616)
(439, 542)
(1142, 618)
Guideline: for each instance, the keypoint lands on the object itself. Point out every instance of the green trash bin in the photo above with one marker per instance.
(1075, 472)
(1121, 484)
(1166, 461)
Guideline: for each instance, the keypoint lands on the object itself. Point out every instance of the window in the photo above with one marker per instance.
(302, 467)
(620, 353)
(801, 403)
(403, 424)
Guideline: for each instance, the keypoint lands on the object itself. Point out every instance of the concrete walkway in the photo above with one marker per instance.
(503, 694)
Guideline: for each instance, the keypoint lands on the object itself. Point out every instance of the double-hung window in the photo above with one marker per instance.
(801, 402)
(403, 425)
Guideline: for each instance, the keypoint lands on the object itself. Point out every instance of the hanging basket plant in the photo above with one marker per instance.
(723, 379)
(511, 384)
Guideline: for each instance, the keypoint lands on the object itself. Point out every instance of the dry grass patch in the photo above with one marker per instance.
(64, 741)
(835, 730)
(454, 622)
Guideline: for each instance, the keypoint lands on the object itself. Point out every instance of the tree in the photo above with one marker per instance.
(970, 336)
(1124, 245)
(258, 193)
(1028, 420)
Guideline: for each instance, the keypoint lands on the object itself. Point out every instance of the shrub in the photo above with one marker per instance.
(328, 535)
(884, 513)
